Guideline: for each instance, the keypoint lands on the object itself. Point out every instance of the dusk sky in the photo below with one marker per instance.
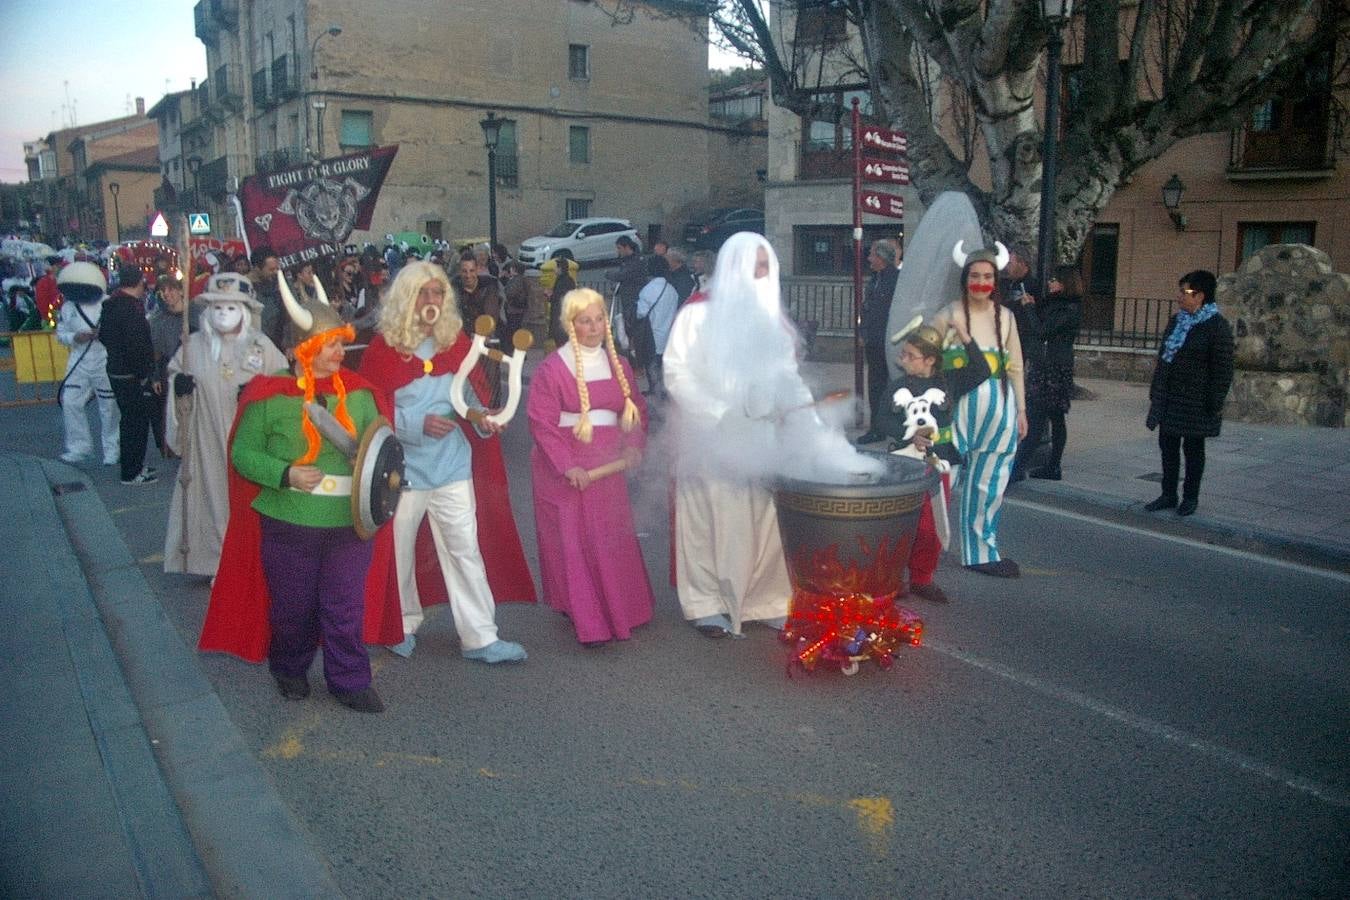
(102, 53)
(96, 57)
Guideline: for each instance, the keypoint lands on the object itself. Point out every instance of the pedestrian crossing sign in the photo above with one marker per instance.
(199, 223)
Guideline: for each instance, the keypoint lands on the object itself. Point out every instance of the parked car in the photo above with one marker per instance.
(584, 240)
(711, 229)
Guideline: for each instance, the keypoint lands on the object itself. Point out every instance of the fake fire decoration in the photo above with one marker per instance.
(847, 547)
(837, 621)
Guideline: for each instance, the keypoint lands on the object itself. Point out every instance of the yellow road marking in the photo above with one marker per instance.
(874, 815)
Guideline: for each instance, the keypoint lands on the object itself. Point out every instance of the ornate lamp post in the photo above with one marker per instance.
(1171, 197)
(114, 188)
(492, 132)
(1056, 14)
(330, 31)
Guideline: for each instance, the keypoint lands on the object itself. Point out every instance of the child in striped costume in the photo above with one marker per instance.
(991, 419)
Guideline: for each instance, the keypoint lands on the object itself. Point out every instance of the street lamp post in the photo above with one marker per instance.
(114, 188)
(492, 132)
(330, 31)
(1056, 14)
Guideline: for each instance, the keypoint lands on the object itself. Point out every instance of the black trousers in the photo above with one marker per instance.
(878, 376)
(1172, 445)
(134, 432)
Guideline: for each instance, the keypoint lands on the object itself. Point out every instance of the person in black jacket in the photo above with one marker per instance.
(876, 309)
(125, 333)
(1190, 383)
(1052, 327)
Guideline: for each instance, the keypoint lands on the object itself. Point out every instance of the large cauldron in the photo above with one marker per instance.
(847, 547)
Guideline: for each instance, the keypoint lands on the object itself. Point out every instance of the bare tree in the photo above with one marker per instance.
(1150, 73)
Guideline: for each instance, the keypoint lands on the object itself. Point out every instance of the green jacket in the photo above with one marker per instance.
(270, 437)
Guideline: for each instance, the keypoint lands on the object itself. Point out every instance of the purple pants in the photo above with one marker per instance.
(317, 578)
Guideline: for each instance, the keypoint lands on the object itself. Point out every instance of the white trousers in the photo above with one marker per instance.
(454, 528)
(74, 398)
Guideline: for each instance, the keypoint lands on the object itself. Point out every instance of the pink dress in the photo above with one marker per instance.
(589, 559)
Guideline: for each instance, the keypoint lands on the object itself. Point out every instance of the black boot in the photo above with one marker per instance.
(1187, 506)
(1166, 501)
(292, 688)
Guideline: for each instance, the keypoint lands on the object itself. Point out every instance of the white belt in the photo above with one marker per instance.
(333, 486)
(598, 417)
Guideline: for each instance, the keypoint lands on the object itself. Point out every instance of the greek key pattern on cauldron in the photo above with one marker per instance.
(850, 507)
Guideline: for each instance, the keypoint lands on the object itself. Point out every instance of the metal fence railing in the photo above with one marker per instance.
(1136, 323)
(824, 307)
(32, 365)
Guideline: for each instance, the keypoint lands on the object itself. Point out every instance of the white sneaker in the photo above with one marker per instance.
(72, 458)
(144, 477)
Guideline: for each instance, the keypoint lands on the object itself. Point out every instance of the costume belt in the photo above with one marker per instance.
(599, 417)
(333, 486)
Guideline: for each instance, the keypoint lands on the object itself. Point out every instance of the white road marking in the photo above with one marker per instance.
(1332, 574)
(1325, 793)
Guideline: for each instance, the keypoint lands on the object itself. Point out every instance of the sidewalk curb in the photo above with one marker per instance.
(1196, 527)
(248, 841)
(159, 851)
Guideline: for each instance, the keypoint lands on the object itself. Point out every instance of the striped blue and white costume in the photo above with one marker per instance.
(985, 432)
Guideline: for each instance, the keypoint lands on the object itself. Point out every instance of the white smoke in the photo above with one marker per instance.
(744, 412)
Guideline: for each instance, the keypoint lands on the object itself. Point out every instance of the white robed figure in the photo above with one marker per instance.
(206, 375)
(743, 415)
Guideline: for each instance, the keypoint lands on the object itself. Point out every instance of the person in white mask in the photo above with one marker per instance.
(205, 377)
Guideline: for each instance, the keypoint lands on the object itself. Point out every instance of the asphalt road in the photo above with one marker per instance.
(1136, 716)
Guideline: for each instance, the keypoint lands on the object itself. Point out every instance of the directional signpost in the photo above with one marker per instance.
(879, 204)
(885, 165)
(885, 170)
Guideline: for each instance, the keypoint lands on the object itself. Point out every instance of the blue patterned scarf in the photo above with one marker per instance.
(1185, 322)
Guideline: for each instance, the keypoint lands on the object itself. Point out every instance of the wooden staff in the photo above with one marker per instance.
(184, 475)
(609, 468)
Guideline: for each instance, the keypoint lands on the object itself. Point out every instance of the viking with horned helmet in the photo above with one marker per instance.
(293, 567)
(456, 480)
(992, 418)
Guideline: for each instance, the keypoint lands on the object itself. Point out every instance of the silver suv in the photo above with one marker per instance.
(585, 240)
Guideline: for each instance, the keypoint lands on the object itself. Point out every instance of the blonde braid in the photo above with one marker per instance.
(631, 417)
(581, 430)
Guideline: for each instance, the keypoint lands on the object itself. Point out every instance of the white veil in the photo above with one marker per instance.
(929, 279)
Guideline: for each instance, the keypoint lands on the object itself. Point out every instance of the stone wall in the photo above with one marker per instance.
(1291, 319)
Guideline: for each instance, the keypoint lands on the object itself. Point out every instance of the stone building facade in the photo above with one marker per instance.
(604, 118)
(1281, 177)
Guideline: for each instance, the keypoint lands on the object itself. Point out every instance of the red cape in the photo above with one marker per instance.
(237, 615)
(498, 540)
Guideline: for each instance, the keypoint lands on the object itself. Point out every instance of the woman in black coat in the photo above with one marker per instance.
(1190, 384)
(1052, 326)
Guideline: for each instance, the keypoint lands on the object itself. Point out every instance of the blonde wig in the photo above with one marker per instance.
(575, 302)
(398, 316)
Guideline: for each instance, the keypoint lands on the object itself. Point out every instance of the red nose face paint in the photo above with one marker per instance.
(981, 288)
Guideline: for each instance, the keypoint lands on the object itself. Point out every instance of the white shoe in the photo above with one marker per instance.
(144, 477)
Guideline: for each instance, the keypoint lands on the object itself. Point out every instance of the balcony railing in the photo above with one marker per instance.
(261, 97)
(227, 86)
(276, 160)
(215, 179)
(1292, 152)
(816, 161)
(508, 170)
(206, 26)
(285, 84)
